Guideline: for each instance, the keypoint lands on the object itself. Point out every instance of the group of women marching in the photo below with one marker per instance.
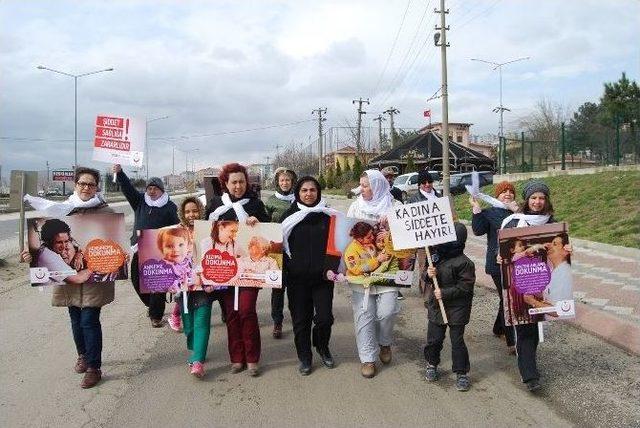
(305, 218)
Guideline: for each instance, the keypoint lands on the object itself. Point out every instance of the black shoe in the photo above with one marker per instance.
(431, 373)
(305, 368)
(326, 357)
(400, 296)
(533, 385)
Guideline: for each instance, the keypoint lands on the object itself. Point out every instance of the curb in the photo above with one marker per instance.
(618, 332)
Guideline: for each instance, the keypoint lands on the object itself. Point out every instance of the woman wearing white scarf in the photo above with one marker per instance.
(152, 210)
(305, 235)
(84, 301)
(537, 211)
(239, 203)
(374, 308)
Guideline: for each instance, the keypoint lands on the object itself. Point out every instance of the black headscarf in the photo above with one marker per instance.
(452, 249)
(299, 184)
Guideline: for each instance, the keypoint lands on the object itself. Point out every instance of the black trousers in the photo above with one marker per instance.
(527, 345)
(154, 301)
(498, 326)
(277, 305)
(310, 302)
(459, 352)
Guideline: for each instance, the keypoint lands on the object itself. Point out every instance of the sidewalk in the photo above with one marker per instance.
(606, 287)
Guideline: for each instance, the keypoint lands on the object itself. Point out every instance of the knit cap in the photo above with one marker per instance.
(532, 187)
(156, 181)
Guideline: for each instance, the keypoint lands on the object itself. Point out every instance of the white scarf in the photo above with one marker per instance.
(526, 220)
(289, 198)
(381, 201)
(474, 190)
(61, 209)
(227, 205)
(290, 222)
(158, 203)
(431, 195)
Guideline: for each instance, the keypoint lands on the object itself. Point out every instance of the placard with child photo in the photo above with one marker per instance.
(231, 253)
(536, 271)
(361, 252)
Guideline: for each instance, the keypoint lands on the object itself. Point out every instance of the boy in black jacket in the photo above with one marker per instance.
(456, 277)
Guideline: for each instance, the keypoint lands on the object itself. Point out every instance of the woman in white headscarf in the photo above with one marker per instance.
(374, 308)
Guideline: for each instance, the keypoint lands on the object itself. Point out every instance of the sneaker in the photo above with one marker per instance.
(305, 368)
(197, 369)
(368, 370)
(277, 331)
(253, 369)
(431, 373)
(533, 385)
(400, 296)
(91, 378)
(175, 322)
(237, 367)
(156, 323)
(385, 354)
(81, 365)
(463, 383)
(326, 357)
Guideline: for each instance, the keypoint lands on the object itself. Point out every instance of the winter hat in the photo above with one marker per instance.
(424, 177)
(503, 186)
(156, 181)
(390, 170)
(532, 187)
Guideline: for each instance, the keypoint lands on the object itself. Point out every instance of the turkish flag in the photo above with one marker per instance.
(427, 113)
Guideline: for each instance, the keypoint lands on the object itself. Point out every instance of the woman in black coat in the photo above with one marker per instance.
(487, 222)
(239, 203)
(306, 231)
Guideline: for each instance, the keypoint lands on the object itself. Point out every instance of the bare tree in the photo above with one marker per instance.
(543, 124)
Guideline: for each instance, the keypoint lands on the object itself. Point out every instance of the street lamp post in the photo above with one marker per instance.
(146, 142)
(75, 97)
(501, 109)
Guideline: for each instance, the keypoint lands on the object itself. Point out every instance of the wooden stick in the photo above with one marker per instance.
(236, 297)
(435, 286)
(21, 227)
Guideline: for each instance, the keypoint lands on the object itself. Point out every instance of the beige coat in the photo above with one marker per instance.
(85, 295)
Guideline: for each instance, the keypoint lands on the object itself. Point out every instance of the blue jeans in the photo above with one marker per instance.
(87, 334)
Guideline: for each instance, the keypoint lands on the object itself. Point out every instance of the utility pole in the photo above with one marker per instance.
(320, 111)
(379, 119)
(360, 101)
(391, 111)
(47, 189)
(441, 40)
(277, 152)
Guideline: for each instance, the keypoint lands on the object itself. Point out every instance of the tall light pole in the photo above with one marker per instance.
(501, 108)
(146, 141)
(75, 104)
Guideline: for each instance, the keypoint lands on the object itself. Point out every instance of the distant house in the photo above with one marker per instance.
(206, 172)
(460, 133)
(347, 154)
(173, 181)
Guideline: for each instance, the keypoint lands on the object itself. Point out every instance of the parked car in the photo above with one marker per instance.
(408, 183)
(458, 181)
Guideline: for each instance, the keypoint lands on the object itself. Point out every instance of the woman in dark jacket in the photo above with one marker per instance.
(537, 211)
(238, 203)
(487, 222)
(152, 210)
(456, 277)
(306, 231)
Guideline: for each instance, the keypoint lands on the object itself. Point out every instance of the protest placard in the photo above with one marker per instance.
(63, 175)
(235, 254)
(77, 249)
(119, 139)
(422, 224)
(362, 252)
(165, 259)
(536, 272)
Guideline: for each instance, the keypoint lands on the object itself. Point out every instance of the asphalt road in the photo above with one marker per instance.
(146, 382)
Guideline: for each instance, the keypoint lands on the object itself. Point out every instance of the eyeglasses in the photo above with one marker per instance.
(87, 185)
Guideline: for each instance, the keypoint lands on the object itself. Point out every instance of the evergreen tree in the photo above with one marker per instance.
(331, 179)
(411, 166)
(347, 167)
(338, 169)
(323, 183)
(357, 169)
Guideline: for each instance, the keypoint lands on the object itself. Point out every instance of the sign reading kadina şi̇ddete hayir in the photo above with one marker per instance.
(119, 139)
(421, 224)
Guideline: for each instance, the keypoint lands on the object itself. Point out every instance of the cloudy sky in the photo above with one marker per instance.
(218, 67)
